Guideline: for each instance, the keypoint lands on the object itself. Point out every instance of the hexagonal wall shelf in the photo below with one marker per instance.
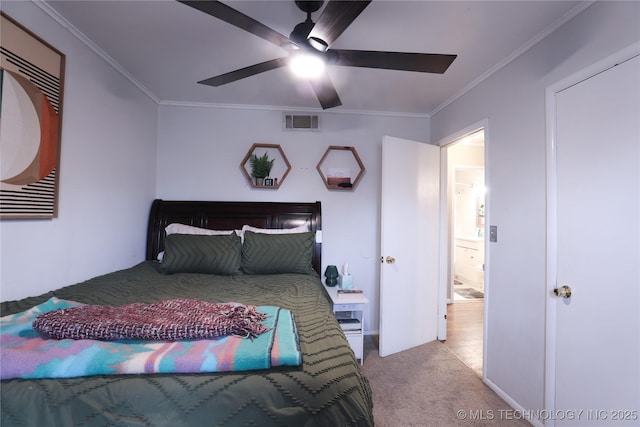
(340, 168)
(279, 172)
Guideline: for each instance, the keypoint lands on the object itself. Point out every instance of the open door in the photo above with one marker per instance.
(410, 220)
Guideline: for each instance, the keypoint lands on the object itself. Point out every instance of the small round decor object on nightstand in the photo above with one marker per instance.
(331, 273)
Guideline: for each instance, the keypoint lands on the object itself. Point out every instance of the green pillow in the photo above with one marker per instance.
(277, 253)
(192, 253)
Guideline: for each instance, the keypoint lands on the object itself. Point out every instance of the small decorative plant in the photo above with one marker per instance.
(261, 166)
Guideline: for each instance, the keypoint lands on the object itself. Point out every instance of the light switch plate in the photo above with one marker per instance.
(493, 233)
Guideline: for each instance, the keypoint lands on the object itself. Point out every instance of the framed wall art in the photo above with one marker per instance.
(31, 78)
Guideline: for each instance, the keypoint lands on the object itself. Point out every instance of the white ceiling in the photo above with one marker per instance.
(166, 47)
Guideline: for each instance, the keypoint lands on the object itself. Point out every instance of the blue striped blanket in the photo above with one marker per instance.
(27, 354)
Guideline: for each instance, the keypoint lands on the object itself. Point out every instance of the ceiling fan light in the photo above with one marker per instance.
(307, 65)
(318, 44)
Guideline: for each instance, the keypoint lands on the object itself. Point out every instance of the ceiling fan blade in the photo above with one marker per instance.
(227, 14)
(335, 18)
(421, 62)
(325, 91)
(252, 70)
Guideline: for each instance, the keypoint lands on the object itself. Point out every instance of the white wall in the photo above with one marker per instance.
(513, 101)
(199, 155)
(107, 175)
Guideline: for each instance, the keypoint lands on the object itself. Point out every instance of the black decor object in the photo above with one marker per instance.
(331, 274)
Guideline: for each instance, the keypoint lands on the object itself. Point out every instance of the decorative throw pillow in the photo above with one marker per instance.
(277, 253)
(177, 228)
(192, 253)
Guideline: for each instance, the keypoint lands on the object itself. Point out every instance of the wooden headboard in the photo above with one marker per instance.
(232, 216)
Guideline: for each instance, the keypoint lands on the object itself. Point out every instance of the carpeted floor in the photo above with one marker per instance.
(428, 386)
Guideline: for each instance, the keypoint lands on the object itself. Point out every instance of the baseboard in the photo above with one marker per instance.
(518, 409)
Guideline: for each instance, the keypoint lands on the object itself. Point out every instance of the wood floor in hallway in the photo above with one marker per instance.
(465, 321)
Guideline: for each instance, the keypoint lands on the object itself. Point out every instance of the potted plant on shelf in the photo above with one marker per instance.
(260, 167)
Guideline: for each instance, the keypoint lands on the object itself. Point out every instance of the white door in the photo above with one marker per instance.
(409, 242)
(597, 329)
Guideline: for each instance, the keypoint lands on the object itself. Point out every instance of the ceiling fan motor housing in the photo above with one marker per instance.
(301, 32)
(309, 6)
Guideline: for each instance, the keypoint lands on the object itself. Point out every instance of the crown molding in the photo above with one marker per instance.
(517, 53)
(289, 108)
(95, 48)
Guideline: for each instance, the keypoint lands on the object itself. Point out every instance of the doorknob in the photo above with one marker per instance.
(388, 259)
(563, 291)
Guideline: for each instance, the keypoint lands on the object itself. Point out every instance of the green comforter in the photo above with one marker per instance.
(327, 390)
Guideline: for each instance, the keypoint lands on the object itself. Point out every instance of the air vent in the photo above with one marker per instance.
(301, 122)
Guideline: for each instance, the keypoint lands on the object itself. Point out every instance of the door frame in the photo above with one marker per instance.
(446, 230)
(551, 201)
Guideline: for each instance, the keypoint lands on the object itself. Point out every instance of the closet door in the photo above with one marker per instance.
(597, 328)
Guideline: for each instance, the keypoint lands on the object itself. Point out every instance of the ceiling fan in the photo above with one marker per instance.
(314, 40)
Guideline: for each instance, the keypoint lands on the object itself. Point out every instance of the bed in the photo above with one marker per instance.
(326, 389)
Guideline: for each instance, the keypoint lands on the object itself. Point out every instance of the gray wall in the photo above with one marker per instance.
(512, 100)
(199, 155)
(107, 175)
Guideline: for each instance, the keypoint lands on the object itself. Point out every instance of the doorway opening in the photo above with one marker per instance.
(466, 240)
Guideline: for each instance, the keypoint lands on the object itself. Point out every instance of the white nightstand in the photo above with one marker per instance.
(350, 315)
